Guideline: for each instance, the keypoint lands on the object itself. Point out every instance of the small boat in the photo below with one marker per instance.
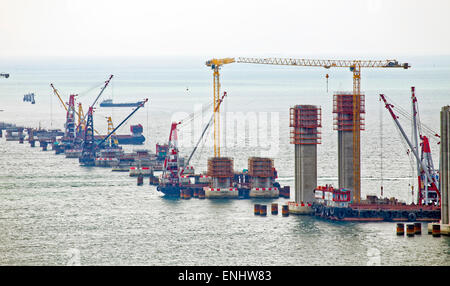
(109, 103)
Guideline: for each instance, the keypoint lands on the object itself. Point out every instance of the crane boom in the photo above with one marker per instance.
(121, 123)
(101, 91)
(411, 146)
(323, 63)
(55, 91)
(204, 131)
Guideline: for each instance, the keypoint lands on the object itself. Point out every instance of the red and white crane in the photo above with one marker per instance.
(428, 177)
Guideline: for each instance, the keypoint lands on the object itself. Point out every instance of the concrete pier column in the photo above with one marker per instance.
(345, 160)
(343, 123)
(305, 172)
(305, 121)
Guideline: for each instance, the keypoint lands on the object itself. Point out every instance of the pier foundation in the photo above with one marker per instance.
(220, 169)
(261, 171)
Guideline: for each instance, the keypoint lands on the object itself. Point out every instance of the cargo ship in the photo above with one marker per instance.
(109, 103)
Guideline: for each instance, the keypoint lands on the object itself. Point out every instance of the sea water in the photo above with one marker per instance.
(54, 212)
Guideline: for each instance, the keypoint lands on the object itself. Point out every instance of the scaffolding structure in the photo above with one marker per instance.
(260, 167)
(305, 121)
(220, 167)
(343, 111)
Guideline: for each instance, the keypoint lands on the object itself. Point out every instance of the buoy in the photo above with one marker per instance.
(436, 230)
(285, 210)
(263, 210)
(417, 228)
(257, 207)
(410, 230)
(274, 208)
(400, 229)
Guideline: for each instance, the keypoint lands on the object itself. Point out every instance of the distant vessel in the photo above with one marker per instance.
(109, 103)
(29, 98)
(135, 138)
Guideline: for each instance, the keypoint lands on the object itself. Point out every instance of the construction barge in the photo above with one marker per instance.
(345, 203)
(220, 181)
(335, 204)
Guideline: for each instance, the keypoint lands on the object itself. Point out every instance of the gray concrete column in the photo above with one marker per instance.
(444, 164)
(345, 160)
(305, 172)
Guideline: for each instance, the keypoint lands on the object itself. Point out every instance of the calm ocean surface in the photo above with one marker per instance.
(54, 212)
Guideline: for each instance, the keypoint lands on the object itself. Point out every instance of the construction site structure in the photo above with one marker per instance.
(444, 172)
(428, 178)
(354, 66)
(305, 122)
(90, 147)
(221, 172)
(70, 127)
(262, 178)
(215, 65)
(112, 141)
(87, 157)
(81, 124)
(170, 178)
(343, 103)
(177, 174)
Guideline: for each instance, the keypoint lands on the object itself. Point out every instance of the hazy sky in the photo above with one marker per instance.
(222, 28)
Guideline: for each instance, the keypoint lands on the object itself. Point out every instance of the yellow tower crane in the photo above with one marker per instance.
(355, 67)
(81, 118)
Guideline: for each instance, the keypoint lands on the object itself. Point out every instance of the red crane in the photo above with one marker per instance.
(428, 177)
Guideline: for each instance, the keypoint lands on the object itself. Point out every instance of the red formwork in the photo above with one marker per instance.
(260, 167)
(305, 121)
(220, 167)
(343, 111)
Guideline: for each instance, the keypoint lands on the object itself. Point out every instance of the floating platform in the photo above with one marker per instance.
(73, 153)
(271, 192)
(378, 212)
(300, 208)
(140, 171)
(221, 193)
